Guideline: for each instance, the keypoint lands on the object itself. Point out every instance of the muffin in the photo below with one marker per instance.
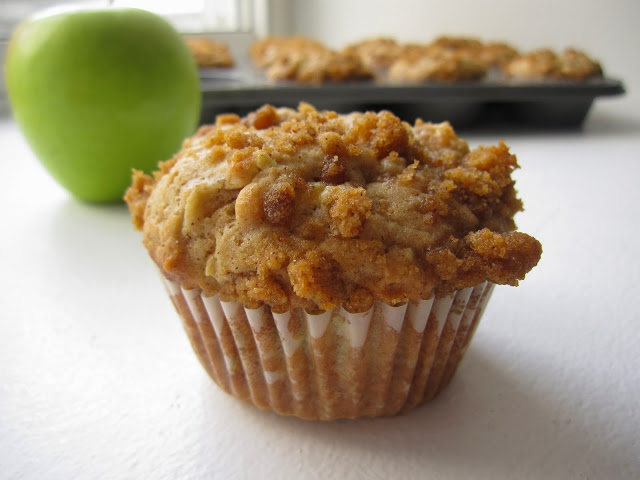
(545, 64)
(300, 59)
(435, 64)
(495, 54)
(331, 266)
(456, 43)
(576, 65)
(375, 53)
(326, 66)
(209, 53)
(265, 51)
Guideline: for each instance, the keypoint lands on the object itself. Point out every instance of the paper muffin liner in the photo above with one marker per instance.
(337, 364)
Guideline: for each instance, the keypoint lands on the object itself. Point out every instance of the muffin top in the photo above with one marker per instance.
(318, 67)
(268, 50)
(494, 54)
(208, 52)
(304, 60)
(375, 53)
(301, 208)
(435, 65)
(544, 63)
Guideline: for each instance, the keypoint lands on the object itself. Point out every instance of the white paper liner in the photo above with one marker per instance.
(336, 364)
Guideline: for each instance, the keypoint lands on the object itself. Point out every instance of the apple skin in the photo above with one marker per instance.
(99, 92)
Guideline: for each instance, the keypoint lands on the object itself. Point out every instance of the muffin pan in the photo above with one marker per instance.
(493, 101)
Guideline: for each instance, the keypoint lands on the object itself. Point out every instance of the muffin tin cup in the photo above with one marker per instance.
(494, 102)
(382, 362)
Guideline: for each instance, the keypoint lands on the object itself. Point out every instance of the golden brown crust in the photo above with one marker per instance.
(577, 65)
(495, 54)
(137, 196)
(461, 58)
(304, 60)
(437, 65)
(445, 59)
(318, 67)
(375, 53)
(544, 63)
(208, 52)
(540, 63)
(452, 42)
(300, 208)
(265, 51)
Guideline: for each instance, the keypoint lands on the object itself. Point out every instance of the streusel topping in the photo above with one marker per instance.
(301, 208)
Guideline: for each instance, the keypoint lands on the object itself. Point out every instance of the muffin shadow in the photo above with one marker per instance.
(485, 423)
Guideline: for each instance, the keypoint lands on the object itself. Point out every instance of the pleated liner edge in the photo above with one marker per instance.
(337, 364)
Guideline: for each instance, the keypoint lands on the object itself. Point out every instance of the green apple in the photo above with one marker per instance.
(97, 92)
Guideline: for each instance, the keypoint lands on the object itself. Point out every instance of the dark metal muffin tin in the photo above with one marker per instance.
(491, 102)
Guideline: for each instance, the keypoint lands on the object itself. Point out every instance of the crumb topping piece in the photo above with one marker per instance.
(305, 208)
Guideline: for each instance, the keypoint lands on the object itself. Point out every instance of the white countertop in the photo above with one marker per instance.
(97, 379)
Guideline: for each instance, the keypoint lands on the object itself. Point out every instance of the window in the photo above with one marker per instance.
(188, 16)
(237, 22)
(201, 16)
